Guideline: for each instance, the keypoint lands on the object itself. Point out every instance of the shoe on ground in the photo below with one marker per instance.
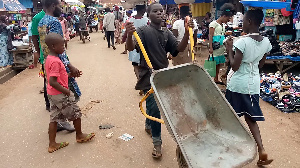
(48, 108)
(66, 126)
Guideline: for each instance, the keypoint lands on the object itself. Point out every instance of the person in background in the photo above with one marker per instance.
(50, 24)
(101, 17)
(118, 24)
(76, 21)
(39, 56)
(134, 57)
(63, 104)
(126, 19)
(157, 42)
(109, 25)
(217, 36)
(205, 25)
(246, 56)
(5, 43)
(64, 25)
(127, 16)
(179, 31)
(35, 54)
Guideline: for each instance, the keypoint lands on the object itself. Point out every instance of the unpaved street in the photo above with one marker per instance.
(108, 77)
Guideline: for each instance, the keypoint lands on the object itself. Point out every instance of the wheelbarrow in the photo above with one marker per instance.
(199, 118)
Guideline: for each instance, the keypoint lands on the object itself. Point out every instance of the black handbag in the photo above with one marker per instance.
(216, 45)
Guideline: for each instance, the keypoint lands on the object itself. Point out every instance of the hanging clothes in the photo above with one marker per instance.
(279, 19)
(296, 14)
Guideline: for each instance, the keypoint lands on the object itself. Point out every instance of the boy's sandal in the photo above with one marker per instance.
(264, 162)
(42, 91)
(87, 138)
(62, 145)
(156, 153)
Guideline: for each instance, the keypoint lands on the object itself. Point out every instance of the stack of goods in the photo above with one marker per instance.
(281, 92)
(290, 48)
(276, 50)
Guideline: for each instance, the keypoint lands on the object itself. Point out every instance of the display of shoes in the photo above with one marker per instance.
(281, 91)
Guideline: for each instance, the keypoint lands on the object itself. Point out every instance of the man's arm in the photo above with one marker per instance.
(35, 41)
(130, 29)
(175, 32)
(184, 42)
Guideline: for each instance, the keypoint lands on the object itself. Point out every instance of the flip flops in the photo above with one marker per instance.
(62, 145)
(157, 152)
(261, 163)
(87, 138)
(263, 160)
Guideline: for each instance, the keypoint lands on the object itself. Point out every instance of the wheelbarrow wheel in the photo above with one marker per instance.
(180, 158)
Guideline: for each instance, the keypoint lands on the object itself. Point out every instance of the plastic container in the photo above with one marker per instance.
(285, 37)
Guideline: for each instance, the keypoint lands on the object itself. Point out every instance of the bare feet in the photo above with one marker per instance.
(56, 146)
(82, 138)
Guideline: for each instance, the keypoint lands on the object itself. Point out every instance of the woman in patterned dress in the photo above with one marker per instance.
(5, 42)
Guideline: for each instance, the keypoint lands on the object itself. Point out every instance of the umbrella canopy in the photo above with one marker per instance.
(266, 4)
(167, 2)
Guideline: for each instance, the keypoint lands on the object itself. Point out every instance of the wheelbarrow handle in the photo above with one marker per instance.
(192, 42)
(151, 91)
(138, 39)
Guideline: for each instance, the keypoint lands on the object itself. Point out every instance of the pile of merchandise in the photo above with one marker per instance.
(283, 92)
(290, 48)
(276, 49)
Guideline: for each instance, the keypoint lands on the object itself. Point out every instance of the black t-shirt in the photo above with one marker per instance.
(157, 44)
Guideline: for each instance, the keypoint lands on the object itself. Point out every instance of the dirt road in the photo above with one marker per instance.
(109, 78)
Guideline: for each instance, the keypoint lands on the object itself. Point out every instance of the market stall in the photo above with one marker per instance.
(17, 17)
(281, 89)
(280, 28)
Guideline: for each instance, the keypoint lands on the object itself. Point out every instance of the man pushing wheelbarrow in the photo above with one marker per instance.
(157, 43)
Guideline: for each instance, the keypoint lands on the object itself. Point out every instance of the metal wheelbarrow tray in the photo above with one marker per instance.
(199, 118)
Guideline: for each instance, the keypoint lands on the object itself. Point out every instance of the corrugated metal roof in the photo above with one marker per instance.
(13, 5)
(26, 3)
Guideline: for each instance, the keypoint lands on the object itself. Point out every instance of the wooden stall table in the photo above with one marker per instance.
(281, 61)
(199, 46)
(22, 58)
